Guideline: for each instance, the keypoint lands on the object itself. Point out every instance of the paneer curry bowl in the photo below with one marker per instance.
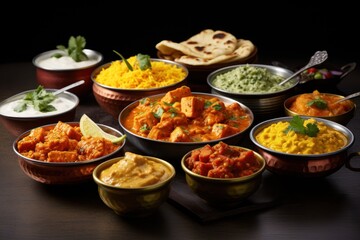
(60, 154)
(169, 125)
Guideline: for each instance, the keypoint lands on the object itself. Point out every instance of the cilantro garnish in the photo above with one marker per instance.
(217, 107)
(125, 61)
(143, 61)
(297, 125)
(40, 99)
(318, 102)
(144, 128)
(159, 112)
(207, 104)
(74, 49)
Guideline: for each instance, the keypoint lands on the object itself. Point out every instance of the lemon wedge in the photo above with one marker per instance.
(89, 128)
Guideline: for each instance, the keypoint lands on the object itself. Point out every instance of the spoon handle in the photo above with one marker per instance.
(75, 84)
(348, 97)
(318, 58)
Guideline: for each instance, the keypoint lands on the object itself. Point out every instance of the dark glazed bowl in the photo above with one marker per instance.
(59, 173)
(113, 100)
(59, 78)
(17, 125)
(303, 165)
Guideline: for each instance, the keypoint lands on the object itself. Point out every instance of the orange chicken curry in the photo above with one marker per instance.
(180, 116)
(63, 143)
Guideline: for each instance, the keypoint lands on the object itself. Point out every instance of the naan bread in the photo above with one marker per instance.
(195, 61)
(209, 44)
(243, 49)
(170, 48)
(206, 48)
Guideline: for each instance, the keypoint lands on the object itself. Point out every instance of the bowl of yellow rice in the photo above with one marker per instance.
(115, 85)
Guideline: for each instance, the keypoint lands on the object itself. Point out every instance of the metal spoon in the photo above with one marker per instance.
(75, 84)
(316, 59)
(348, 97)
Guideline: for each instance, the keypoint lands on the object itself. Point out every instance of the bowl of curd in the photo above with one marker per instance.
(17, 115)
(54, 72)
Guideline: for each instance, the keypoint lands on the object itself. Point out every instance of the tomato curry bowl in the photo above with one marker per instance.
(222, 174)
(169, 125)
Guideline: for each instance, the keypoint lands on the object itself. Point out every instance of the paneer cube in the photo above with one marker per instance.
(161, 131)
(179, 135)
(62, 156)
(144, 121)
(221, 130)
(68, 130)
(192, 106)
(176, 94)
(29, 142)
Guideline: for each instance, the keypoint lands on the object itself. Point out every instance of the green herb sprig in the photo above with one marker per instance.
(143, 61)
(74, 50)
(297, 125)
(318, 102)
(40, 99)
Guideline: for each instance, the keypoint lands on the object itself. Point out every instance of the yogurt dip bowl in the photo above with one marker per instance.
(52, 72)
(19, 122)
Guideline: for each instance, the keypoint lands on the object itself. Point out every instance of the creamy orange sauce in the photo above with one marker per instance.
(302, 105)
(180, 116)
(135, 171)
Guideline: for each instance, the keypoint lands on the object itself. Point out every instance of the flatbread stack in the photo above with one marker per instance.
(207, 48)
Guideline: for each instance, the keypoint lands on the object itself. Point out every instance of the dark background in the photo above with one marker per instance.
(296, 29)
